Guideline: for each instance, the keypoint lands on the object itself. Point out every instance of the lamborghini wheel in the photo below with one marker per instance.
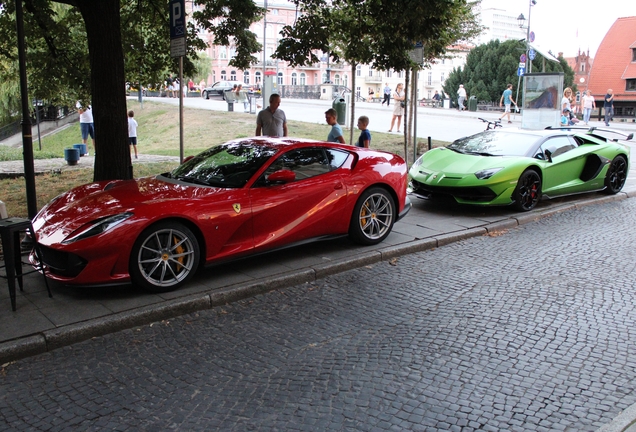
(528, 191)
(616, 175)
(164, 257)
(373, 217)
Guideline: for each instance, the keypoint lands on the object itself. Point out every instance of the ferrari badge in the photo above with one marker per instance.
(237, 208)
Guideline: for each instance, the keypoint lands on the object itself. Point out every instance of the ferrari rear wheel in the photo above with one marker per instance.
(164, 256)
(616, 175)
(373, 217)
(528, 191)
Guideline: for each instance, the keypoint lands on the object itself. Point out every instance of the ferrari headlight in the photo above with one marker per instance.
(487, 173)
(97, 227)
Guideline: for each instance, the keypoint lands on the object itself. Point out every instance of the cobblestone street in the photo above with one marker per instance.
(532, 329)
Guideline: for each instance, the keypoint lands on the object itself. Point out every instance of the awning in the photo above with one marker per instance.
(543, 52)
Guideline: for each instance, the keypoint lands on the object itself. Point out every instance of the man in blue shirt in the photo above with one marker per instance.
(335, 135)
(506, 99)
(387, 94)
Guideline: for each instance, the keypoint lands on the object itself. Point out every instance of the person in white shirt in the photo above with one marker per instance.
(132, 131)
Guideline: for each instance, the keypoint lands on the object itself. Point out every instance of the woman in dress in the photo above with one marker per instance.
(398, 109)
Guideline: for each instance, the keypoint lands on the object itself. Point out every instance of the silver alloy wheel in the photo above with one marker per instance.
(376, 216)
(166, 257)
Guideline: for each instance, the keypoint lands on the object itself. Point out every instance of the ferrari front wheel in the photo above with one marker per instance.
(164, 257)
(373, 217)
(616, 175)
(528, 191)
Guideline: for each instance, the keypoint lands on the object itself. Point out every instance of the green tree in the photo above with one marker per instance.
(376, 32)
(492, 66)
(87, 49)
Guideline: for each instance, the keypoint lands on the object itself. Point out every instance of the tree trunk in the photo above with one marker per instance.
(106, 57)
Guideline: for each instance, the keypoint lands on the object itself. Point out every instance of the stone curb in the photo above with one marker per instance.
(73, 333)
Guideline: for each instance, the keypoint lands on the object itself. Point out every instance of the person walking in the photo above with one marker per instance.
(398, 107)
(506, 99)
(587, 104)
(609, 106)
(335, 134)
(461, 97)
(271, 121)
(132, 131)
(387, 94)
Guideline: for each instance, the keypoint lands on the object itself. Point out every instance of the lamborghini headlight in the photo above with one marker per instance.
(487, 173)
(97, 227)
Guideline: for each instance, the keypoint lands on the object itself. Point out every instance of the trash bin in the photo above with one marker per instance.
(71, 155)
(82, 149)
(472, 103)
(447, 103)
(230, 98)
(340, 106)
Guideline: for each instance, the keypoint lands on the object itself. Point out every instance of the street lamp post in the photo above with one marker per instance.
(521, 20)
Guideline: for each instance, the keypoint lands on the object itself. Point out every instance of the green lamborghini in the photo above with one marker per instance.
(520, 167)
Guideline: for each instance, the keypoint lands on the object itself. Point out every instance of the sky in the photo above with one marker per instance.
(567, 26)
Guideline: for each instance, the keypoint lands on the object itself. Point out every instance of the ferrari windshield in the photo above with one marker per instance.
(496, 143)
(228, 165)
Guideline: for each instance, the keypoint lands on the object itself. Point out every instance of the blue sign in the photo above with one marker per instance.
(532, 54)
(177, 19)
(521, 71)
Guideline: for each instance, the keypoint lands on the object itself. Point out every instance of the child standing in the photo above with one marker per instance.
(132, 131)
(365, 136)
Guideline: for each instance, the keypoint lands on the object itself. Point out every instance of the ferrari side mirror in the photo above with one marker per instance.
(282, 176)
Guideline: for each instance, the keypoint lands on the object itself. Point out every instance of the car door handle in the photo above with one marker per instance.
(338, 186)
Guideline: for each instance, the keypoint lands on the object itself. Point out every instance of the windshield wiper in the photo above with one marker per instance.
(456, 150)
(192, 180)
(481, 153)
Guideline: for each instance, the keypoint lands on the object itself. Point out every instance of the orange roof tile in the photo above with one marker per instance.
(613, 62)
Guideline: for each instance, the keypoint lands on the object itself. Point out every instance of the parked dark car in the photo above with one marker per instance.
(219, 88)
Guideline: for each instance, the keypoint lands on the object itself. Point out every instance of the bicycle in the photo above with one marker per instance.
(491, 124)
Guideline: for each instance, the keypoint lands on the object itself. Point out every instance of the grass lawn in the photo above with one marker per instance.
(158, 133)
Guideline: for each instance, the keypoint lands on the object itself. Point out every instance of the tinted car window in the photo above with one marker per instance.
(228, 165)
(558, 145)
(305, 163)
(496, 143)
(336, 157)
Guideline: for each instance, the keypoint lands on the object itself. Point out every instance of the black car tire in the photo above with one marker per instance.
(164, 257)
(528, 191)
(373, 217)
(616, 175)
(204, 94)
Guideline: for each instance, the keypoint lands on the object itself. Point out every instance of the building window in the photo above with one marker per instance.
(223, 76)
(233, 75)
(630, 85)
(358, 70)
(336, 79)
(324, 77)
(345, 80)
(583, 67)
(401, 74)
(279, 78)
(429, 81)
(223, 52)
(388, 73)
(303, 78)
(442, 78)
(294, 78)
(370, 72)
(257, 77)
(634, 54)
(246, 77)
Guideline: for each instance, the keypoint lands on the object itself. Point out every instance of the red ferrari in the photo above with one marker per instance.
(242, 197)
